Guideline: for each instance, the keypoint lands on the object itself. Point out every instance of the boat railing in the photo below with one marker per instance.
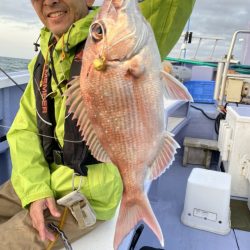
(13, 79)
(223, 70)
(12, 86)
(213, 40)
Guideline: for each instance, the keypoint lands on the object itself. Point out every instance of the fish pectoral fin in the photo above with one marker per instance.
(77, 107)
(174, 88)
(131, 212)
(136, 66)
(165, 156)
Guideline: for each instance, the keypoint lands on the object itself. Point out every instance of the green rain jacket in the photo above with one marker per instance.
(32, 177)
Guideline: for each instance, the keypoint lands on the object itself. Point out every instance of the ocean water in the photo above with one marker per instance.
(9, 64)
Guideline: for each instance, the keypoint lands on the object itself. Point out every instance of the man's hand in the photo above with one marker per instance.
(37, 216)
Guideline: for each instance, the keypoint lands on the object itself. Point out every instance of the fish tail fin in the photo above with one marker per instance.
(174, 88)
(131, 212)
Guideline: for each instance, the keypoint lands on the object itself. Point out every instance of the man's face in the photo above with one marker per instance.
(58, 15)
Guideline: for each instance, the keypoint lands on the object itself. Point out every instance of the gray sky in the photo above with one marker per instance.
(217, 18)
(19, 27)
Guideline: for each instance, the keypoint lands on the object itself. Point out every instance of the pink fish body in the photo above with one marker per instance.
(119, 106)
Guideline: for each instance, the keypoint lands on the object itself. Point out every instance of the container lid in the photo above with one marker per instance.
(241, 113)
(210, 178)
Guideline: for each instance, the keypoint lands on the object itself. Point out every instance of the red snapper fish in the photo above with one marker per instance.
(118, 102)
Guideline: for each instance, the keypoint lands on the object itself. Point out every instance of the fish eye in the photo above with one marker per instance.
(97, 31)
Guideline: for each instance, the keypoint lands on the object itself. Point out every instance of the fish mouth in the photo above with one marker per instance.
(56, 14)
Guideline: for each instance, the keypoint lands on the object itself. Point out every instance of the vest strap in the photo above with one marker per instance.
(75, 153)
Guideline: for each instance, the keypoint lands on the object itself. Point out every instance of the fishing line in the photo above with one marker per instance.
(39, 134)
(109, 6)
(125, 6)
(104, 33)
(124, 38)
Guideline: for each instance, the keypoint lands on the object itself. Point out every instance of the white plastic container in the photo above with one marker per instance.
(207, 201)
(234, 139)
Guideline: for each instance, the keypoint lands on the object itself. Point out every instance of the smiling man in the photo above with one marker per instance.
(45, 144)
(58, 16)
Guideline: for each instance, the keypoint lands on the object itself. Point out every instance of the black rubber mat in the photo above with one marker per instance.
(240, 215)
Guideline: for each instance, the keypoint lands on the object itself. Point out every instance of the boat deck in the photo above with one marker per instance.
(167, 196)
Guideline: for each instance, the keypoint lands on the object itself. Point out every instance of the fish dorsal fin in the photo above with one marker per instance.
(76, 106)
(165, 156)
(174, 88)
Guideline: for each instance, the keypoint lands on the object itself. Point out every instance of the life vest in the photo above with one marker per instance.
(74, 153)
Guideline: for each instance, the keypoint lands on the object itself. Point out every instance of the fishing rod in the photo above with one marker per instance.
(12, 80)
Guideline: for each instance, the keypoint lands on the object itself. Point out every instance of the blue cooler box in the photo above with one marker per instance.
(201, 91)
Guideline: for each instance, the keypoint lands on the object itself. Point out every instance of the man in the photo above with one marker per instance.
(38, 180)
(45, 146)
